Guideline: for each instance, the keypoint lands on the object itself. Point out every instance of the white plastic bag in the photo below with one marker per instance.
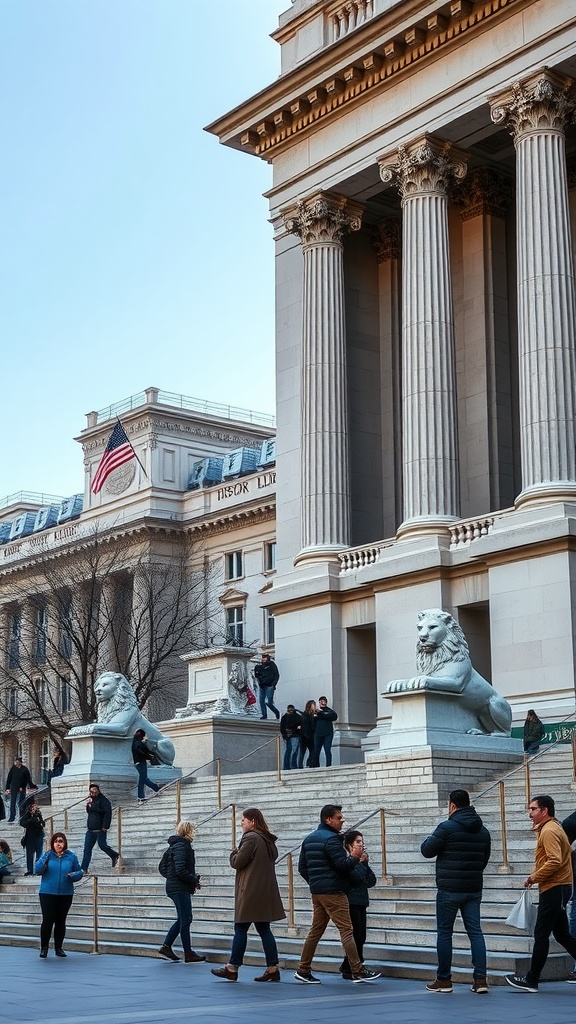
(524, 913)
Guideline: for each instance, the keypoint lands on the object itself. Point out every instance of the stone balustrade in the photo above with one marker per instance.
(471, 529)
(349, 16)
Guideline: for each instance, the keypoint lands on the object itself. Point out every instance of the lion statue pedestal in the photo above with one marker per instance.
(102, 750)
(448, 723)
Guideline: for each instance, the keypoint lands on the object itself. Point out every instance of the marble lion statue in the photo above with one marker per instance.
(443, 661)
(119, 715)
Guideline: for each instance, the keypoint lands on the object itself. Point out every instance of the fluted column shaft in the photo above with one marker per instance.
(321, 222)
(536, 111)
(423, 171)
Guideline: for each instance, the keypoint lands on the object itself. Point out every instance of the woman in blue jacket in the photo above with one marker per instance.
(59, 869)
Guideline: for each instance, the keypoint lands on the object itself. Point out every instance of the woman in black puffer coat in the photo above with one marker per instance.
(181, 882)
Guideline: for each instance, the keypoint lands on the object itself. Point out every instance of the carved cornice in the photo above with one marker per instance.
(382, 60)
(484, 193)
(226, 522)
(544, 102)
(387, 239)
(425, 165)
(323, 218)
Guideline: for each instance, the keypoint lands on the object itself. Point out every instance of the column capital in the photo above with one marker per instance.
(543, 102)
(387, 239)
(426, 165)
(323, 217)
(484, 193)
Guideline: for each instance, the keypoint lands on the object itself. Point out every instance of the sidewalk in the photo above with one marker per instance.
(86, 989)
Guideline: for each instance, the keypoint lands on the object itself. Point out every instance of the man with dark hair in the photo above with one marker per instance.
(99, 811)
(324, 732)
(267, 676)
(290, 730)
(553, 875)
(461, 845)
(325, 866)
(17, 783)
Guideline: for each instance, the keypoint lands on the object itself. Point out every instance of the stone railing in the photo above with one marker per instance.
(472, 529)
(359, 558)
(348, 16)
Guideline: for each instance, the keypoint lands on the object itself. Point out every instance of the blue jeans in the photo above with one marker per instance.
(267, 701)
(90, 840)
(291, 749)
(322, 743)
(447, 906)
(183, 903)
(241, 937)
(143, 780)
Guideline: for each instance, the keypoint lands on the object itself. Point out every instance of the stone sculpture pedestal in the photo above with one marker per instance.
(428, 743)
(106, 760)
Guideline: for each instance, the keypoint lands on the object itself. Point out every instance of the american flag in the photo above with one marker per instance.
(116, 453)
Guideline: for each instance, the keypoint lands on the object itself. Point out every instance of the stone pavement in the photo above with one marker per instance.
(85, 989)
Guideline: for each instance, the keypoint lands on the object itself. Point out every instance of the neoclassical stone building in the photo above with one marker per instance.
(423, 203)
(193, 513)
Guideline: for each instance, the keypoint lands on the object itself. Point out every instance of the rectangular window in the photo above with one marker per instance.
(64, 694)
(270, 556)
(269, 626)
(45, 760)
(40, 687)
(234, 565)
(235, 624)
(41, 632)
(65, 645)
(13, 700)
(14, 641)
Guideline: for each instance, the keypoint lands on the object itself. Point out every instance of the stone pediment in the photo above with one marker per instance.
(233, 596)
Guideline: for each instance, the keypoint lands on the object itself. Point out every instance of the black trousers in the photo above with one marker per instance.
(551, 919)
(358, 918)
(54, 913)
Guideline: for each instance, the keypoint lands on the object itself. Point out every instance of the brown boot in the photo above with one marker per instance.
(225, 972)
(194, 958)
(270, 974)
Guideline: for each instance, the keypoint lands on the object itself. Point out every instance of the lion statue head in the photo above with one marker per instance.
(440, 640)
(113, 695)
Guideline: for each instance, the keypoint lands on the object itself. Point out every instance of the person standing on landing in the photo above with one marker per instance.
(553, 875)
(324, 732)
(461, 846)
(290, 731)
(256, 896)
(267, 676)
(140, 755)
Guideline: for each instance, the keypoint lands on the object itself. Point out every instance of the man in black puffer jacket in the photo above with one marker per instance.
(461, 846)
(99, 811)
(325, 865)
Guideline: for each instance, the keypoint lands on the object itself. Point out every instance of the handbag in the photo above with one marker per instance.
(524, 913)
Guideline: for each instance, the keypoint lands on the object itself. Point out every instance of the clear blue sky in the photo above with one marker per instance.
(135, 250)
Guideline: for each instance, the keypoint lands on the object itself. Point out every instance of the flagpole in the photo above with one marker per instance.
(133, 449)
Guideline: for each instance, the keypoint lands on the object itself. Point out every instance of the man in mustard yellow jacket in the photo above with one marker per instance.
(553, 875)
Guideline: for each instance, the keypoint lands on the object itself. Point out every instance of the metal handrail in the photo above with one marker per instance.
(505, 868)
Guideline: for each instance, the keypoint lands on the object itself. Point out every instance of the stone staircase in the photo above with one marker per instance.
(134, 912)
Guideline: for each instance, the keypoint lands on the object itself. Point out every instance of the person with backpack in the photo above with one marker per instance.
(178, 867)
(33, 839)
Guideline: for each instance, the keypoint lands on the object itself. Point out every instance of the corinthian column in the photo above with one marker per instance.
(536, 110)
(321, 222)
(423, 172)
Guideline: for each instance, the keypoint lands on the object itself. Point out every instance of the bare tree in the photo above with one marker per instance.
(107, 605)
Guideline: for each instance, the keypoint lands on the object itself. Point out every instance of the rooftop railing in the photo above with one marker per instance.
(227, 412)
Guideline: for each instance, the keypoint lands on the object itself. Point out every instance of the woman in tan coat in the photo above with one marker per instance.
(256, 896)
